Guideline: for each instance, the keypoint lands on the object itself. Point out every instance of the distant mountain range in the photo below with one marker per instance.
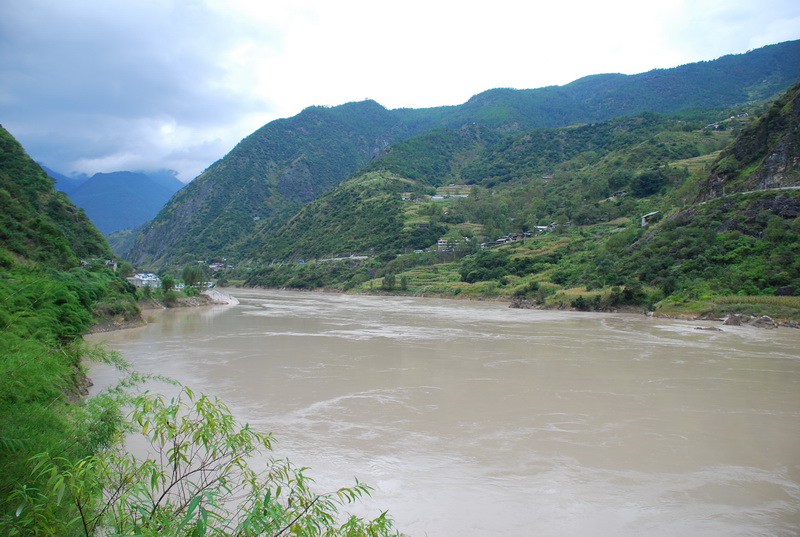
(119, 200)
(240, 202)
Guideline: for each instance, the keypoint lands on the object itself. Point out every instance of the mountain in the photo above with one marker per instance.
(36, 222)
(267, 178)
(271, 174)
(622, 214)
(120, 200)
(515, 182)
(728, 81)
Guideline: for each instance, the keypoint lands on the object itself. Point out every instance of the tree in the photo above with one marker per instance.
(649, 183)
(196, 480)
(167, 282)
(388, 283)
(125, 269)
(193, 274)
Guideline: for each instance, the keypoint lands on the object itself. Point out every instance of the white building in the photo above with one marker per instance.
(145, 279)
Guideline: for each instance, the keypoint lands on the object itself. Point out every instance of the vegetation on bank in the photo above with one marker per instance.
(731, 255)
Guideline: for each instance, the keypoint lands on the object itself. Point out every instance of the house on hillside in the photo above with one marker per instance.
(649, 216)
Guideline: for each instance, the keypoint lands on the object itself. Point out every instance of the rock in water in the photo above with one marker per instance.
(765, 321)
(733, 320)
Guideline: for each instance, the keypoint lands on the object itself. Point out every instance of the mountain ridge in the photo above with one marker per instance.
(272, 173)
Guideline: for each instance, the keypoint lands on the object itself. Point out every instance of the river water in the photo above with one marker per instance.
(471, 419)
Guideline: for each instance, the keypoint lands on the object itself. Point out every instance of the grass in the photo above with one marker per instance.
(780, 308)
(792, 302)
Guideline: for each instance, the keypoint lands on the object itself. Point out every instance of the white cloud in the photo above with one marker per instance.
(99, 85)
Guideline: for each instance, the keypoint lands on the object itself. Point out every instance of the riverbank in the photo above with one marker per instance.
(762, 315)
(209, 297)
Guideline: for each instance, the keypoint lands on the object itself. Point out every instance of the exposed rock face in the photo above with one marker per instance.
(770, 147)
(522, 303)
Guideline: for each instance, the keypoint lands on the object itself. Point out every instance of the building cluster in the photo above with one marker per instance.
(511, 237)
(145, 279)
(216, 266)
(716, 124)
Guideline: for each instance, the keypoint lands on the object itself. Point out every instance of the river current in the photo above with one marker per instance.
(471, 419)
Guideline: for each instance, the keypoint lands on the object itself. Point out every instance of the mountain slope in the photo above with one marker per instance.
(521, 180)
(47, 301)
(615, 226)
(36, 222)
(64, 183)
(765, 155)
(724, 82)
(361, 214)
(267, 178)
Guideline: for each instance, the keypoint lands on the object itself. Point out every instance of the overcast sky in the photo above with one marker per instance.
(105, 85)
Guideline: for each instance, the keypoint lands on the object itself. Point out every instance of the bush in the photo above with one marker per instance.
(171, 298)
(195, 480)
(116, 307)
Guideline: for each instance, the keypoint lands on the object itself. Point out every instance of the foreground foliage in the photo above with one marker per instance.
(201, 473)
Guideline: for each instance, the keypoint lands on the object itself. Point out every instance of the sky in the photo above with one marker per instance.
(93, 86)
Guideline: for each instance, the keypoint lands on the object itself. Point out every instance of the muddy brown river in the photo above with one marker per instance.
(471, 419)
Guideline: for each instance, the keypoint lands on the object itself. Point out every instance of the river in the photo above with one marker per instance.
(471, 419)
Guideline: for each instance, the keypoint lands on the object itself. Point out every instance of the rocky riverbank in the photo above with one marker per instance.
(757, 321)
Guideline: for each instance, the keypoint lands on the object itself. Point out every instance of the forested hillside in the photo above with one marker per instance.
(36, 222)
(270, 175)
(515, 183)
(47, 301)
(602, 216)
(265, 180)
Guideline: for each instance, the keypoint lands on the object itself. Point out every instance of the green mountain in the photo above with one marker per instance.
(515, 182)
(265, 180)
(271, 174)
(725, 82)
(36, 222)
(594, 217)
